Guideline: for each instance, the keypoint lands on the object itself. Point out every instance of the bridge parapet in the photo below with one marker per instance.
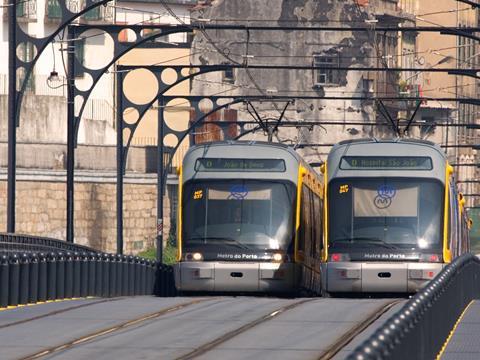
(421, 327)
(29, 243)
(34, 269)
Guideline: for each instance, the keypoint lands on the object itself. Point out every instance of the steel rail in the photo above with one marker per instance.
(92, 336)
(224, 338)
(56, 312)
(346, 338)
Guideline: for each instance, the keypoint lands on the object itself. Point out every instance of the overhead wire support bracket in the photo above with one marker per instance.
(405, 131)
(386, 114)
(256, 116)
(281, 116)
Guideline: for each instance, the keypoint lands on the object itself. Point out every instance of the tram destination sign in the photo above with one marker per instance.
(386, 163)
(254, 165)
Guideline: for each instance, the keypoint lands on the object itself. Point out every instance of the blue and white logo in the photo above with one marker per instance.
(385, 195)
(238, 192)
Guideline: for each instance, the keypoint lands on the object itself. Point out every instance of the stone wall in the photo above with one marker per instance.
(41, 210)
(87, 157)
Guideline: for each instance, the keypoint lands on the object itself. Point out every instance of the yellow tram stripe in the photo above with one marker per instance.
(179, 213)
(301, 173)
(447, 255)
(325, 213)
(450, 335)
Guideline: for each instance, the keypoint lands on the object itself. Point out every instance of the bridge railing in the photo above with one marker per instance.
(29, 243)
(35, 269)
(421, 327)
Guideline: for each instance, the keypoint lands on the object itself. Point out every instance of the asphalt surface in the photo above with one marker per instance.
(178, 326)
(464, 344)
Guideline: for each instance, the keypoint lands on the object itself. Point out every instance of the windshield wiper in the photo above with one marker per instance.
(223, 238)
(366, 240)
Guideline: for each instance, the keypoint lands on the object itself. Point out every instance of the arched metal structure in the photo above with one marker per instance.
(17, 36)
(67, 16)
(163, 130)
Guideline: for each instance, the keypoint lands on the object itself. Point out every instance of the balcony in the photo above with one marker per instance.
(26, 10)
(98, 14)
(390, 11)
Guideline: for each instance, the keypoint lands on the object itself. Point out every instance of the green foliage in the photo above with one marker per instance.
(170, 255)
(169, 252)
(150, 254)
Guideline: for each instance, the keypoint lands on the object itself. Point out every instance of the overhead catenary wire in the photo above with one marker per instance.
(223, 52)
(263, 20)
(382, 57)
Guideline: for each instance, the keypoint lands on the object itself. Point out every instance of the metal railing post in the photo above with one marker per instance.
(12, 114)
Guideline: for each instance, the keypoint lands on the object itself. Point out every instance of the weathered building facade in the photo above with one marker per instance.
(42, 134)
(320, 48)
(437, 50)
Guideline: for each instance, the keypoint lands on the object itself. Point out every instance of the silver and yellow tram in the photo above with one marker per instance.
(394, 216)
(249, 220)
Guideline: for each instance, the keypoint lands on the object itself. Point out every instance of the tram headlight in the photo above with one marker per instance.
(194, 256)
(422, 243)
(277, 257)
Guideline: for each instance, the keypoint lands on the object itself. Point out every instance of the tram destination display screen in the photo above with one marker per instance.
(386, 163)
(253, 165)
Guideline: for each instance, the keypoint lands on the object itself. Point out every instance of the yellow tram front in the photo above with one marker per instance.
(394, 218)
(236, 224)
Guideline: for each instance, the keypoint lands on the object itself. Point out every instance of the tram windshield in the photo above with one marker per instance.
(386, 213)
(243, 214)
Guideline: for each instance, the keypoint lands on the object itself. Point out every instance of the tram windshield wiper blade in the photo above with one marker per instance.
(223, 238)
(366, 240)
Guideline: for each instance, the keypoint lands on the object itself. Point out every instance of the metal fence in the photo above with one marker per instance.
(28, 243)
(61, 271)
(421, 327)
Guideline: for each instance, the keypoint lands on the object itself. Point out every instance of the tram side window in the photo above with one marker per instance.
(301, 233)
(305, 238)
(311, 239)
(313, 216)
(317, 221)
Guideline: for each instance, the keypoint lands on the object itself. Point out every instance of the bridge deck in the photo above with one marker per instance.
(171, 328)
(464, 344)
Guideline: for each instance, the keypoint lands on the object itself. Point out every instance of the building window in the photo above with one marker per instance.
(26, 53)
(326, 76)
(94, 14)
(228, 74)
(80, 55)
(54, 11)
(21, 9)
(428, 126)
(26, 10)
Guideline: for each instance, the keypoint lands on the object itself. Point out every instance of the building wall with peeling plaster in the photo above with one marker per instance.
(355, 49)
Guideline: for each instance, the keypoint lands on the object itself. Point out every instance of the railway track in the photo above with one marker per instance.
(221, 339)
(328, 354)
(57, 312)
(348, 337)
(109, 330)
